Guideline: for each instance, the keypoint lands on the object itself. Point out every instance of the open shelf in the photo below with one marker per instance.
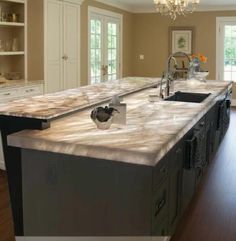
(12, 53)
(13, 36)
(14, 24)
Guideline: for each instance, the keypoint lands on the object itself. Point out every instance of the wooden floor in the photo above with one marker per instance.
(6, 224)
(212, 214)
(210, 217)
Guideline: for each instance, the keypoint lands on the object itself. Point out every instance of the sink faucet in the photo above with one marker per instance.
(168, 75)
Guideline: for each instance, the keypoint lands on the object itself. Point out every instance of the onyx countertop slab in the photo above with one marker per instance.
(49, 106)
(152, 128)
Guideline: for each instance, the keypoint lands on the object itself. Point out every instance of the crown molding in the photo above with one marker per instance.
(151, 9)
(117, 4)
(206, 8)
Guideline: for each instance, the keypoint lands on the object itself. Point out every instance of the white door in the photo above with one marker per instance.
(71, 45)
(105, 43)
(62, 45)
(54, 35)
(226, 48)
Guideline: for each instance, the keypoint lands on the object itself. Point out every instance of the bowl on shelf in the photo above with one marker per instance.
(13, 76)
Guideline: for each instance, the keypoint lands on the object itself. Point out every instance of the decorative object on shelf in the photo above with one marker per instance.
(173, 8)
(8, 45)
(3, 17)
(2, 47)
(15, 45)
(13, 76)
(103, 117)
(195, 66)
(13, 17)
(181, 39)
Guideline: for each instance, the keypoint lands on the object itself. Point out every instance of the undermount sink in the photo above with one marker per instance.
(187, 97)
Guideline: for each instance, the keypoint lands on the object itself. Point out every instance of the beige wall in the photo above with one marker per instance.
(151, 39)
(35, 40)
(127, 38)
(142, 34)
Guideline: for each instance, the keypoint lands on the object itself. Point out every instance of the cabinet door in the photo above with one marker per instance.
(71, 45)
(175, 187)
(53, 44)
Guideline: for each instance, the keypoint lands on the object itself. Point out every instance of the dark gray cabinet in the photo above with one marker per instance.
(167, 192)
(107, 198)
(175, 187)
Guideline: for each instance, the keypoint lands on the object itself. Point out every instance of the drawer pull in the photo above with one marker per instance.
(163, 169)
(30, 90)
(159, 206)
(7, 94)
(179, 151)
(202, 123)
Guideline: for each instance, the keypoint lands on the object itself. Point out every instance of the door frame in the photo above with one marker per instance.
(118, 16)
(219, 43)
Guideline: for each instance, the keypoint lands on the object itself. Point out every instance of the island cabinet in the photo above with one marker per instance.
(167, 191)
(63, 184)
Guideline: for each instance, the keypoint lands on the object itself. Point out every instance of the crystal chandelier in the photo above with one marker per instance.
(173, 8)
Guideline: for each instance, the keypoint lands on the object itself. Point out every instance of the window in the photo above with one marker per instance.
(104, 45)
(226, 48)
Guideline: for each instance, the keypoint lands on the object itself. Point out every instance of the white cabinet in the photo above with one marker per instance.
(13, 93)
(62, 44)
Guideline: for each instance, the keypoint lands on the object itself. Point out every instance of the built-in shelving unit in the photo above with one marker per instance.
(12, 24)
(12, 53)
(13, 37)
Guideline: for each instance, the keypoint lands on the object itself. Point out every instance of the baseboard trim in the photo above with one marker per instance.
(233, 103)
(92, 238)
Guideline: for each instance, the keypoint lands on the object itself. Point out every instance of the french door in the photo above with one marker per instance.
(226, 48)
(104, 46)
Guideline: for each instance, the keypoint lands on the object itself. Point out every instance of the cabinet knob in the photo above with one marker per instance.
(65, 57)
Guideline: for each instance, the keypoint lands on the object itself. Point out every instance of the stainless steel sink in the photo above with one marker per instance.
(187, 97)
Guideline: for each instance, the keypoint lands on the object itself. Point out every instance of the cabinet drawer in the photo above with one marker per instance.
(8, 94)
(30, 91)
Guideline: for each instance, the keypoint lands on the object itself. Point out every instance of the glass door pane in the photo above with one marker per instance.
(104, 47)
(112, 49)
(95, 50)
(230, 52)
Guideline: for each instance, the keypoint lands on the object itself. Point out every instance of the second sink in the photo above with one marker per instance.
(187, 97)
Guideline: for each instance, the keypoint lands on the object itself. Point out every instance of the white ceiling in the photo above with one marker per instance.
(147, 5)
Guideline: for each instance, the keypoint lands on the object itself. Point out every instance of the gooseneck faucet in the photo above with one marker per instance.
(168, 75)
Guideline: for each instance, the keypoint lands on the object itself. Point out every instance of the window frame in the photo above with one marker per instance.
(220, 24)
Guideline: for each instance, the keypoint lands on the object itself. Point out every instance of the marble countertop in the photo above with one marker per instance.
(50, 106)
(18, 83)
(152, 128)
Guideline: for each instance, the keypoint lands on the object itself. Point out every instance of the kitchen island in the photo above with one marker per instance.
(131, 180)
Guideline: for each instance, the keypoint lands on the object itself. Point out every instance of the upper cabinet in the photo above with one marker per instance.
(62, 44)
(13, 39)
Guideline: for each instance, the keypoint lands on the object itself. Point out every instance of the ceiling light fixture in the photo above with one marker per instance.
(173, 8)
